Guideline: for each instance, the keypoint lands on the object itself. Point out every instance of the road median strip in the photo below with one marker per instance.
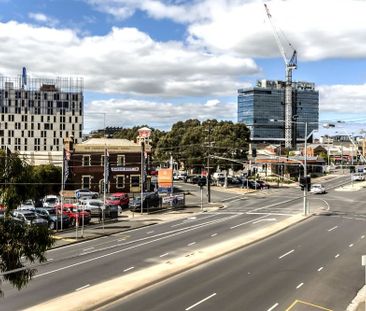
(109, 291)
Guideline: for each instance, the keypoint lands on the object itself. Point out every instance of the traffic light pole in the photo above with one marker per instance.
(305, 171)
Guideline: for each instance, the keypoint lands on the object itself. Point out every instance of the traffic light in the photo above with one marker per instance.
(254, 152)
(201, 181)
(305, 182)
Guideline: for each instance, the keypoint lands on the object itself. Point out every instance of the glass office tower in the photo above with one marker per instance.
(262, 109)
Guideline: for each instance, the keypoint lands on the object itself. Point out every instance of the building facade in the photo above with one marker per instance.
(126, 160)
(37, 114)
(262, 109)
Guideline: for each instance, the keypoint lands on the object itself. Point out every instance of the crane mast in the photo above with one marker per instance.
(290, 64)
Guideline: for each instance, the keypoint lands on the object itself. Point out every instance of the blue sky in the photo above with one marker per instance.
(159, 61)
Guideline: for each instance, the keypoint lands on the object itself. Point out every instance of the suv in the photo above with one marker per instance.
(151, 199)
(120, 199)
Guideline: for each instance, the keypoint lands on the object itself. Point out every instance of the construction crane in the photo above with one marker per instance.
(291, 64)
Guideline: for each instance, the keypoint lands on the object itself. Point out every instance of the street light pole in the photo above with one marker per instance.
(305, 171)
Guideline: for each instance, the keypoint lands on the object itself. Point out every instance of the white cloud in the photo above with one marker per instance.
(43, 19)
(343, 98)
(317, 29)
(123, 61)
(131, 112)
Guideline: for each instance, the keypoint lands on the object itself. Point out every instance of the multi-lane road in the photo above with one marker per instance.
(316, 261)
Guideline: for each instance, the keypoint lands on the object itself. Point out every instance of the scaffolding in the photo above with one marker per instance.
(59, 84)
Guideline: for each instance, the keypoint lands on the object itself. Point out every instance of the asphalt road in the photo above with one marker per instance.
(315, 265)
(79, 266)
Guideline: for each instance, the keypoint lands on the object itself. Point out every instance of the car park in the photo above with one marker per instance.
(30, 218)
(119, 199)
(317, 189)
(54, 221)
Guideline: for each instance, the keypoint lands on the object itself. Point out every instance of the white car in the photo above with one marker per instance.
(50, 200)
(27, 205)
(317, 188)
(358, 177)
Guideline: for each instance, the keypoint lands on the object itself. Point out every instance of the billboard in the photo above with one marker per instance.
(165, 178)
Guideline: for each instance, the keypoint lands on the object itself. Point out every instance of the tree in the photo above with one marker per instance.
(47, 179)
(18, 242)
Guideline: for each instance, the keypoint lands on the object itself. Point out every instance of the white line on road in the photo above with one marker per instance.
(350, 245)
(128, 269)
(164, 255)
(149, 232)
(212, 235)
(199, 302)
(273, 307)
(362, 236)
(298, 286)
(331, 229)
(190, 244)
(248, 222)
(261, 220)
(87, 249)
(320, 269)
(336, 256)
(288, 253)
(83, 287)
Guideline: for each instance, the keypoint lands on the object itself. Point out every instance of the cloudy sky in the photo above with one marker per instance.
(159, 61)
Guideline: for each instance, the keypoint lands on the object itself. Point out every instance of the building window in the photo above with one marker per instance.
(135, 181)
(86, 160)
(85, 181)
(121, 160)
(120, 181)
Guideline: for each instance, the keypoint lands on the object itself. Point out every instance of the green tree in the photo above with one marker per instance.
(47, 180)
(18, 242)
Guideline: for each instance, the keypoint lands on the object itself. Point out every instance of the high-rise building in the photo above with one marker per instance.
(262, 109)
(37, 114)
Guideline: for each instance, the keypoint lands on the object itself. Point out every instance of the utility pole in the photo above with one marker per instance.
(208, 165)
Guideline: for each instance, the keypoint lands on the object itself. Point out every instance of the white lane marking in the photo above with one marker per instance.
(162, 237)
(298, 286)
(83, 287)
(212, 235)
(336, 256)
(87, 249)
(190, 244)
(164, 255)
(149, 232)
(288, 253)
(350, 245)
(121, 240)
(273, 307)
(320, 269)
(261, 220)
(128, 269)
(50, 259)
(248, 222)
(199, 302)
(362, 236)
(331, 229)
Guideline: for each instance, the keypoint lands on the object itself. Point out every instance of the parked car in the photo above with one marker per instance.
(86, 193)
(49, 214)
(120, 199)
(151, 199)
(29, 218)
(27, 205)
(93, 206)
(75, 213)
(317, 188)
(50, 200)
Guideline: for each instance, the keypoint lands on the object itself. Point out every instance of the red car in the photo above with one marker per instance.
(119, 198)
(74, 213)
